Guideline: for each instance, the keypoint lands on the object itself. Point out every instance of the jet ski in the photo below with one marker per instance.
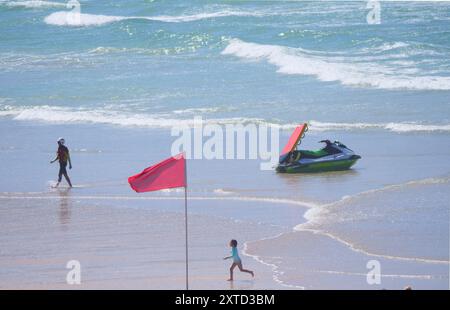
(334, 156)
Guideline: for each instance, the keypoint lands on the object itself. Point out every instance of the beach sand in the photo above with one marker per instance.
(381, 208)
(118, 248)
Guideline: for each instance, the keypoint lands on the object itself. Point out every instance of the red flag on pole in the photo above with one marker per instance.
(169, 173)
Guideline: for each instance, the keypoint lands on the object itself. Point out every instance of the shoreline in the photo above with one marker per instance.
(275, 203)
(111, 259)
(274, 277)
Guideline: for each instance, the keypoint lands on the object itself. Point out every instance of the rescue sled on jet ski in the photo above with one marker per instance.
(334, 156)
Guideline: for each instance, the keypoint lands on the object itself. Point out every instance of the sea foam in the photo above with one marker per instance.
(32, 4)
(56, 114)
(299, 61)
(67, 18)
(73, 19)
(395, 127)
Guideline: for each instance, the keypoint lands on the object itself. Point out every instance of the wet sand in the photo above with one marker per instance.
(118, 248)
(126, 240)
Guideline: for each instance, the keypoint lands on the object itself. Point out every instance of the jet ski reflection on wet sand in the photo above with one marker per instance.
(334, 156)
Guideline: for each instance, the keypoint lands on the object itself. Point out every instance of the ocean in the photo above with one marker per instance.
(115, 79)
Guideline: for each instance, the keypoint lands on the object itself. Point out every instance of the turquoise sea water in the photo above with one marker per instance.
(146, 62)
(115, 80)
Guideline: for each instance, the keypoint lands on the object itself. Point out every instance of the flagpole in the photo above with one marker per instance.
(186, 222)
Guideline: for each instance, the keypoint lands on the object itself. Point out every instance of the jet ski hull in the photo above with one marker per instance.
(319, 166)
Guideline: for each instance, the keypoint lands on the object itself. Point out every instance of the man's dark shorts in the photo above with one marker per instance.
(62, 168)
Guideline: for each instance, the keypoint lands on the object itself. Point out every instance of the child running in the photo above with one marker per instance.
(236, 260)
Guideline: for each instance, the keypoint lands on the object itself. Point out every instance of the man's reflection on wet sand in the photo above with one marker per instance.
(64, 207)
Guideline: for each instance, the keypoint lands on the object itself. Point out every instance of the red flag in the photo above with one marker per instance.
(169, 173)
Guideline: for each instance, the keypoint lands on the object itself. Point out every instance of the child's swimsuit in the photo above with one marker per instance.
(235, 255)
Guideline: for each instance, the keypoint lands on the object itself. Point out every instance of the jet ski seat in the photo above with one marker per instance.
(314, 154)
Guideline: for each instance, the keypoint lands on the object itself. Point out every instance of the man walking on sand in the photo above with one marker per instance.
(63, 156)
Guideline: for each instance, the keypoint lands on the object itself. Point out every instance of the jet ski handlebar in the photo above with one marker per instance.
(325, 141)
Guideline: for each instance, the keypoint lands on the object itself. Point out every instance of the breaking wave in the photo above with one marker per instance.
(100, 116)
(66, 18)
(395, 127)
(331, 69)
(57, 115)
(33, 4)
